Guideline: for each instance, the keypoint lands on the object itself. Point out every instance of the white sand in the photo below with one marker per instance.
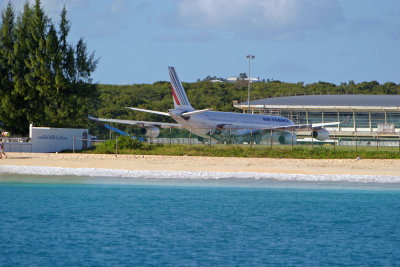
(374, 167)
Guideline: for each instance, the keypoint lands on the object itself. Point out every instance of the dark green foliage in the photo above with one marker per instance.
(127, 142)
(7, 39)
(44, 80)
(220, 96)
(124, 143)
(107, 147)
(302, 152)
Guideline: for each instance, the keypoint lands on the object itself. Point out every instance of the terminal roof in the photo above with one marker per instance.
(330, 100)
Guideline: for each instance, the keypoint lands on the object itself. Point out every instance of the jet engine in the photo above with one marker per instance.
(321, 134)
(287, 138)
(152, 132)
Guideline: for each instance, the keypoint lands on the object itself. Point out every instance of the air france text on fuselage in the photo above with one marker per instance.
(276, 119)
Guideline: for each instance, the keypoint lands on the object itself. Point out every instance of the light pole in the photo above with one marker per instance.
(249, 57)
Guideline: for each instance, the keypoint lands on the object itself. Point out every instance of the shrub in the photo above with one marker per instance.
(127, 142)
(124, 142)
(107, 147)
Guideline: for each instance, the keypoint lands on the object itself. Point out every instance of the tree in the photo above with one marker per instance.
(242, 76)
(45, 80)
(7, 40)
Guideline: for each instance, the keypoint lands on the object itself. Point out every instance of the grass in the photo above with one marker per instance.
(259, 151)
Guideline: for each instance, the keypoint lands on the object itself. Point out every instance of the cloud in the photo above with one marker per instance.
(276, 18)
(96, 18)
(116, 17)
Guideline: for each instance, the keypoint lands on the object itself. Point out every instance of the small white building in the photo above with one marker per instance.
(46, 139)
(232, 79)
(50, 140)
(253, 79)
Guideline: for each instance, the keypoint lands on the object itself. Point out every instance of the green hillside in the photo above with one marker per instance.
(204, 94)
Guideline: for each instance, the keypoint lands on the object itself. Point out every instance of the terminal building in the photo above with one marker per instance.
(362, 115)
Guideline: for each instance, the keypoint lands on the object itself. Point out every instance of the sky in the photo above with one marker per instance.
(292, 40)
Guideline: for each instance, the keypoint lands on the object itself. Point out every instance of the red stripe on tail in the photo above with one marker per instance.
(173, 93)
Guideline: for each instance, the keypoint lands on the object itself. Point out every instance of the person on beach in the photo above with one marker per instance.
(2, 150)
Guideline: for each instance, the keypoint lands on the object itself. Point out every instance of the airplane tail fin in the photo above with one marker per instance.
(178, 93)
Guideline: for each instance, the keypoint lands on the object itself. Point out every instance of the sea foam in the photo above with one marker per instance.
(95, 172)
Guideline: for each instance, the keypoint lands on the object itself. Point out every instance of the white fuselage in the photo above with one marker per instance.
(224, 123)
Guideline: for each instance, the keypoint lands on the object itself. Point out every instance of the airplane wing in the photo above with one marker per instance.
(185, 114)
(314, 126)
(319, 125)
(191, 113)
(138, 123)
(150, 111)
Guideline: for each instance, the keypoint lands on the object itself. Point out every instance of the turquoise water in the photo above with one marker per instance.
(81, 222)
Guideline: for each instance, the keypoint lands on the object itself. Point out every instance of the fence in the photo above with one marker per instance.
(17, 147)
(265, 139)
(274, 138)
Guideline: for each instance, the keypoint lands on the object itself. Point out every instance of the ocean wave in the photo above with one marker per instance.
(95, 172)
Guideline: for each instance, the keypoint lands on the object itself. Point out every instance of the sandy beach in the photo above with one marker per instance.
(215, 164)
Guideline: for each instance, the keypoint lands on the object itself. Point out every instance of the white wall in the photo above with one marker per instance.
(46, 139)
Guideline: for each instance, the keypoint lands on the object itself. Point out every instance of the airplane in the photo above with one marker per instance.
(223, 126)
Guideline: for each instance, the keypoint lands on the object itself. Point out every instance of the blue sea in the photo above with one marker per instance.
(117, 221)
